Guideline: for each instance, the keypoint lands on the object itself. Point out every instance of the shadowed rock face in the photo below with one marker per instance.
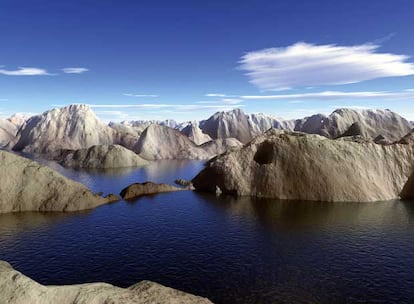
(27, 186)
(16, 288)
(101, 156)
(297, 166)
(160, 142)
(140, 189)
(72, 127)
(408, 190)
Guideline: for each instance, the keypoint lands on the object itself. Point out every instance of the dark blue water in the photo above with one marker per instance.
(229, 250)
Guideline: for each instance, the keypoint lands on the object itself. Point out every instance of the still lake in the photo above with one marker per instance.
(230, 250)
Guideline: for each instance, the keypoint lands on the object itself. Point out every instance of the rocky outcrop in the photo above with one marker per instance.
(368, 123)
(160, 142)
(72, 127)
(219, 146)
(241, 126)
(140, 189)
(297, 166)
(193, 132)
(101, 156)
(16, 288)
(25, 185)
(407, 139)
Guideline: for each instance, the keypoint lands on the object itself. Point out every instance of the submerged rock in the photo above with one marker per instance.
(17, 288)
(101, 156)
(147, 188)
(26, 185)
(296, 166)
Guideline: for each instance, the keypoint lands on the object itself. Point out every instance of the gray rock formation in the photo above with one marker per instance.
(160, 142)
(72, 127)
(141, 189)
(297, 166)
(100, 156)
(193, 132)
(407, 139)
(369, 123)
(241, 126)
(16, 288)
(27, 186)
(219, 146)
(7, 132)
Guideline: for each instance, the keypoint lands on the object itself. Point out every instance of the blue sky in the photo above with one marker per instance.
(189, 59)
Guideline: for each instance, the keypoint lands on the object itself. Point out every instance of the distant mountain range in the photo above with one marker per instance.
(77, 127)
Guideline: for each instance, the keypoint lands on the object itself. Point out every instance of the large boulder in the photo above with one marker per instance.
(100, 156)
(72, 127)
(147, 188)
(16, 288)
(161, 142)
(408, 189)
(25, 185)
(298, 166)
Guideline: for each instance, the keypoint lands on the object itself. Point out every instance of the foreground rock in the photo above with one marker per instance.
(140, 189)
(25, 185)
(408, 190)
(161, 142)
(72, 127)
(297, 166)
(101, 156)
(16, 288)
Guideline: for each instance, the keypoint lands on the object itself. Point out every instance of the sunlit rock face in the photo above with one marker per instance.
(298, 166)
(25, 185)
(193, 132)
(161, 142)
(16, 288)
(382, 125)
(243, 127)
(7, 132)
(72, 127)
(100, 156)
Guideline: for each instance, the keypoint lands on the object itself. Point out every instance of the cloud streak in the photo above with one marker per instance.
(303, 65)
(25, 71)
(140, 95)
(331, 95)
(74, 70)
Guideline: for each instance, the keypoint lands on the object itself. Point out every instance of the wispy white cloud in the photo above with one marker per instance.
(304, 65)
(139, 95)
(330, 95)
(74, 70)
(218, 95)
(24, 71)
(230, 101)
